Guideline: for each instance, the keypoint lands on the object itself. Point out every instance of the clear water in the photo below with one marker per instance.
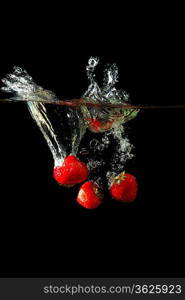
(64, 128)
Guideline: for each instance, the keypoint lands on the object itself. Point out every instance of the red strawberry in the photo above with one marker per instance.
(89, 195)
(124, 187)
(96, 125)
(71, 172)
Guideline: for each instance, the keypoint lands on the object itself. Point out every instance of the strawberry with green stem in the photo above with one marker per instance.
(124, 187)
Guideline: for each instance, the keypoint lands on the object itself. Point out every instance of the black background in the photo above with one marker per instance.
(43, 231)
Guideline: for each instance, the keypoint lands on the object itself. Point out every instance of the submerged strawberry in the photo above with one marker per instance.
(124, 187)
(95, 125)
(89, 195)
(71, 172)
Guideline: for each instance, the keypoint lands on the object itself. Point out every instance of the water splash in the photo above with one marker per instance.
(64, 127)
(108, 94)
(23, 87)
